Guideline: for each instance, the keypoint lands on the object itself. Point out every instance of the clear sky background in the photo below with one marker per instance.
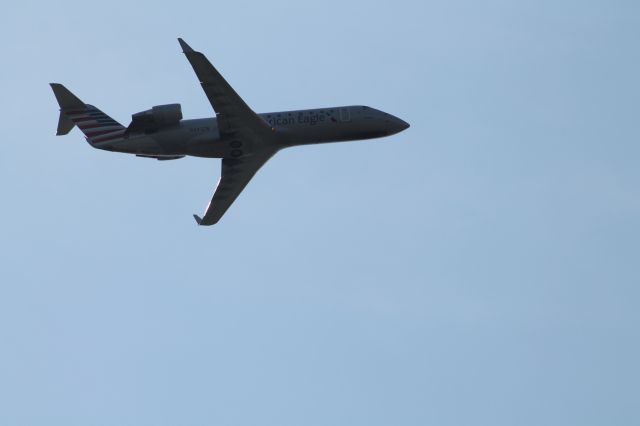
(480, 268)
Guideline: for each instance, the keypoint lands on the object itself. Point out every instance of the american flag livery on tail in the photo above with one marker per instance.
(96, 125)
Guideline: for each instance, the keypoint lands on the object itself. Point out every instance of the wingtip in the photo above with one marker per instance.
(198, 219)
(185, 47)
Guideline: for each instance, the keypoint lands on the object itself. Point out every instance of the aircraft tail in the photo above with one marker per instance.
(95, 124)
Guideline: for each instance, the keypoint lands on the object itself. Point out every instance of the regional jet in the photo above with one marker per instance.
(243, 139)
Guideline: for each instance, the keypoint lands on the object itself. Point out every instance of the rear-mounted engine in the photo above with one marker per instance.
(158, 117)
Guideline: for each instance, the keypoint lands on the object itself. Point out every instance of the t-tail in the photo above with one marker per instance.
(96, 125)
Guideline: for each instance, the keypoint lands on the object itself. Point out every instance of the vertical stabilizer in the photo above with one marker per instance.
(67, 101)
(95, 124)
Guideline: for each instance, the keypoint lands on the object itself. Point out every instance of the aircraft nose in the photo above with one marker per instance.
(403, 124)
(399, 125)
(393, 124)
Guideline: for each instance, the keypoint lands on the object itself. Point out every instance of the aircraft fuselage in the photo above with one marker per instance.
(202, 137)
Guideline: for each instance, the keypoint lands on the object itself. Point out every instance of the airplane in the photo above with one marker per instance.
(243, 139)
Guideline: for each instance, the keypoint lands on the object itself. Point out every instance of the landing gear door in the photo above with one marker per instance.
(345, 114)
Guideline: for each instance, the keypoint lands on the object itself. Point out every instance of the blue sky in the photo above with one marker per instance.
(480, 268)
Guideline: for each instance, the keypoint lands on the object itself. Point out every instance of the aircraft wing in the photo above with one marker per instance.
(236, 121)
(236, 174)
(234, 115)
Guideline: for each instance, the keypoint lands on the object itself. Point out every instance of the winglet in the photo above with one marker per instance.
(185, 47)
(198, 219)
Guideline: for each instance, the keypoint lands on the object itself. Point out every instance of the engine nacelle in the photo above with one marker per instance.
(157, 117)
